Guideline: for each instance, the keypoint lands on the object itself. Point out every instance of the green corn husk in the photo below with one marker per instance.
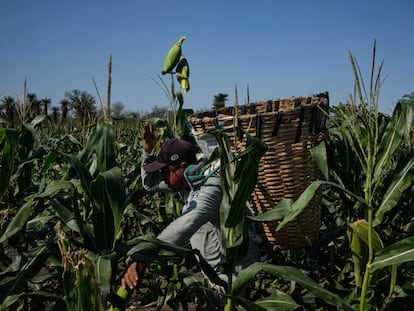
(120, 300)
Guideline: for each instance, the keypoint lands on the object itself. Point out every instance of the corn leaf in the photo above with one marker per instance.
(246, 303)
(108, 191)
(30, 266)
(152, 246)
(298, 206)
(102, 145)
(288, 273)
(149, 247)
(55, 187)
(84, 175)
(277, 301)
(245, 178)
(18, 222)
(8, 142)
(306, 196)
(67, 216)
(103, 274)
(238, 174)
(395, 132)
(357, 256)
(399, 181)
(276, 213)
(320, 157)
(71, 217)
(395, 254)
(85, 285)
(69, 290)
(38, 120)
(74, 220)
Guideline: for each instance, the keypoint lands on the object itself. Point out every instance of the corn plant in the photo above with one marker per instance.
(85, 195)
(370, 164)
(380, 146)
(25, 250)
(239, 175)
(161, 208)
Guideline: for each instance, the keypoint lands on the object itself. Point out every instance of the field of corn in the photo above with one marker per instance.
(73, 210)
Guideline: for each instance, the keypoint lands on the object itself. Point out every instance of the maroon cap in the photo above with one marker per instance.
(172, 152)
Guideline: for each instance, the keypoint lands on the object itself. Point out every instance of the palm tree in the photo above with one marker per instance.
(84, 105)
(219, 100)
(64, 109)
(45, 102)
(55, 111)
(117, 109)
(34, 105)
(9, 105)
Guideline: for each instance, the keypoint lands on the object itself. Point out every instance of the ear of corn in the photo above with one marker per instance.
(173, 56)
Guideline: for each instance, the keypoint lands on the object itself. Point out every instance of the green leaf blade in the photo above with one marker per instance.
(395, 254)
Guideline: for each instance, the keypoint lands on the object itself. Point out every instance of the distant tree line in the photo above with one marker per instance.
(76, 104)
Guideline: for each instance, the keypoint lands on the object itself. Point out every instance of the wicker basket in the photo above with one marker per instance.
(290, 127)
(273, 105)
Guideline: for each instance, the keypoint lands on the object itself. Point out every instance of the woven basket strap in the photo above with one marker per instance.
(278, 120)
(252, 108)
(259, 122)
(276, 107)
(315, 126)
(269, 106)
(298, 102)
(243, 109)
(299, 129)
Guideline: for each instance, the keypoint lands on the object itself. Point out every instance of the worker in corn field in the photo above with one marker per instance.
(175, 169)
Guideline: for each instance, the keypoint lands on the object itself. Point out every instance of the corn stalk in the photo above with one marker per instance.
(238, 176)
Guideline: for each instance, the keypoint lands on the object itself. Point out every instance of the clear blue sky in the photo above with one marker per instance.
(277, 48)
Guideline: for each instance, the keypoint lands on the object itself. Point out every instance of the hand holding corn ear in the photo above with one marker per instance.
(173, 56)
